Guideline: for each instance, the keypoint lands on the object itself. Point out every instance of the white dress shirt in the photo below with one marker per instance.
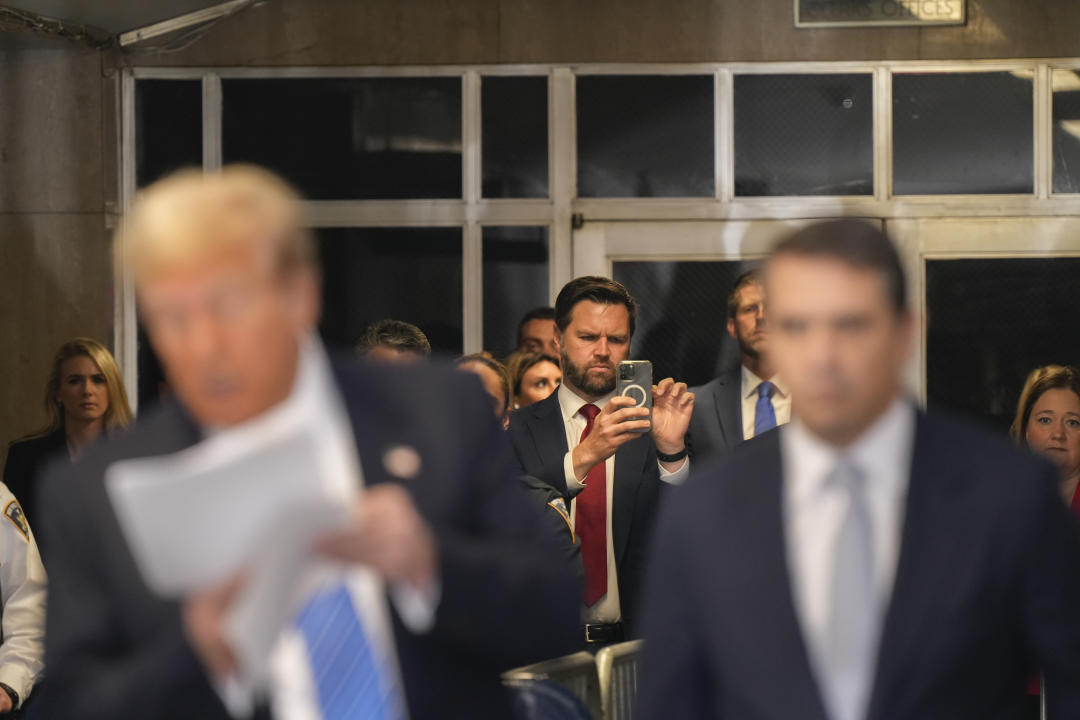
(315, 404)
(607, 609)
(781, 400)
(814, 510)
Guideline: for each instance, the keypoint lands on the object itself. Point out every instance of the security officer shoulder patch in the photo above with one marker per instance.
(559, 506)
(14, 513)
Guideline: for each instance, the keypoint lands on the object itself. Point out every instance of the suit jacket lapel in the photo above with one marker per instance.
(549, 434)
(923, 566)
(769, 591)
(729, 409)
(630, 469)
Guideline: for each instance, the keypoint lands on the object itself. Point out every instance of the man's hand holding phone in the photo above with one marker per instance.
(618, 423)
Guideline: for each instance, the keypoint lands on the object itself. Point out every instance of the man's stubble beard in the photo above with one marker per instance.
(579, 379)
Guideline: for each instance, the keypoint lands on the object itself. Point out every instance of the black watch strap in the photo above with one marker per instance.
(11, 694)
(674, 457)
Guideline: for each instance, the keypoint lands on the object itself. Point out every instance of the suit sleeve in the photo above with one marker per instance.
(22, 590)
(528, 460)
(96, 669)
(1052, 591)
(507, 592)
(673, 683)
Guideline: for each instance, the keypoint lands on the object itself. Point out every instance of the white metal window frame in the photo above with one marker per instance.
(472, 212)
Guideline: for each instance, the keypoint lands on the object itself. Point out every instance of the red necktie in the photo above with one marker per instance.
(591, 520)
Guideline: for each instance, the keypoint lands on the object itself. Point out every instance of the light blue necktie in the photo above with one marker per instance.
(348, 677)
(764, 414)
(849, 652)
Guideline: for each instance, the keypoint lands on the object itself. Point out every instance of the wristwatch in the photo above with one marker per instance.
(11, 694)
(674, 457)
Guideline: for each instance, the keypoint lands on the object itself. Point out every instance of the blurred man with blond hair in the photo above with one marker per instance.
(438, 581)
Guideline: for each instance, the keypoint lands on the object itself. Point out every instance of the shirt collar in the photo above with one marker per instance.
(570, 402)
(882, 452)
(750, 383)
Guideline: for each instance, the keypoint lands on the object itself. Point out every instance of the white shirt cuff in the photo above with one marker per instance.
(573, 485)
(415, 606)
(677, 477)
(238, 698)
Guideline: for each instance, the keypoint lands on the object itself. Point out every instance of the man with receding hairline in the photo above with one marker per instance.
(439, 579)
(867, 560)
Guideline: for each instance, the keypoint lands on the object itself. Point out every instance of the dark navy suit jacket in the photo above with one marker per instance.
(25, 465)
(987, 587)
(539, 438)
(716, 425)
(114, 650)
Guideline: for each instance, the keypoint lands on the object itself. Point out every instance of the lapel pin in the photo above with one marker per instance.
(402, 462)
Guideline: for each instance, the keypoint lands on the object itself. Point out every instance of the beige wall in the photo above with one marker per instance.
(55, 257)
(420, 32)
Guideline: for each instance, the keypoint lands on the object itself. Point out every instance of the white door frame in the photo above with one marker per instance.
(598, 245)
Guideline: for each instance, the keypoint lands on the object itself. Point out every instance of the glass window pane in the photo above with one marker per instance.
(515, 137)
(993, 321)
(682, 316)
(804, 135)
(349, 138)
(645, 136)
(410, 274)
(168, 127)
(1066, 131)
(515, 281)
(963, 133)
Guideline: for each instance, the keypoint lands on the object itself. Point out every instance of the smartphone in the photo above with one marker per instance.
(634, 380)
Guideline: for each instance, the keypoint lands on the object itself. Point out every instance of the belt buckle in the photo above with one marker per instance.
(602, 630)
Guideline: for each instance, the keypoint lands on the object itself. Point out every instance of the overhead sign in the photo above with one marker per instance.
(877, 13)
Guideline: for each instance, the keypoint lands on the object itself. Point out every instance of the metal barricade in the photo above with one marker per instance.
(577, 673)
(616, 667)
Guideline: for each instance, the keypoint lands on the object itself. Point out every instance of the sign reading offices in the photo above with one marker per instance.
(853, 13)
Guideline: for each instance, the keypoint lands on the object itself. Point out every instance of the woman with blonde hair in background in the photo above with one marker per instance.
(533, 376)
(84, 396)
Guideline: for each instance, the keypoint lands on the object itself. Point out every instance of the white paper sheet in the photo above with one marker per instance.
(235, 502)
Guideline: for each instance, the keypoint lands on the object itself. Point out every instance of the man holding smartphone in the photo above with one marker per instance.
(602, 450)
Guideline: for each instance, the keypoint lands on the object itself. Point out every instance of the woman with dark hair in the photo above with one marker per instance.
(84, 396)
(1048, 421)
(533, 376)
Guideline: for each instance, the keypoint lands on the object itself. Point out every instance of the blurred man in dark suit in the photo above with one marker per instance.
(441, 579)
(746, 401)
(866, 561)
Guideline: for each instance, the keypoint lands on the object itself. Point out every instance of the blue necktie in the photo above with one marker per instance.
(764, 414)
(348, 676)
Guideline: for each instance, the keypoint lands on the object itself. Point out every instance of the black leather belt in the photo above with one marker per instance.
(604, 633)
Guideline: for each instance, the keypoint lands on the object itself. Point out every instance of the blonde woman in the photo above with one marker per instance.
(84, 397)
